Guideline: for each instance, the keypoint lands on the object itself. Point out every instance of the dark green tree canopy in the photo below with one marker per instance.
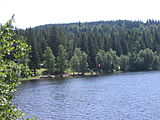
(122, 36)
(61, 59)
(49, 60)
(79, 61)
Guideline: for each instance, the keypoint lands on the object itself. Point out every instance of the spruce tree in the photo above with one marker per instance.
(61, 60)
(49, 60)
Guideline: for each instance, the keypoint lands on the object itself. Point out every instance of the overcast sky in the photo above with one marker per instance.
(30, 13)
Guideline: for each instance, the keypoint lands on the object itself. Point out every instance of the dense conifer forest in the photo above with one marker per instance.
(106, 46)
(102, 47)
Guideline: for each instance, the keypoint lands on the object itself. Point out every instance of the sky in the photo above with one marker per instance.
(30, 13)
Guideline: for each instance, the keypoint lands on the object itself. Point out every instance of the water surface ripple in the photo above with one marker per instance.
(125, 96)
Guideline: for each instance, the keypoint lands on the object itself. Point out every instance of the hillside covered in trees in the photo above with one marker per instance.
(105, 46)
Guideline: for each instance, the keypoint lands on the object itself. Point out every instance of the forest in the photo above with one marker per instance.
(103, 46)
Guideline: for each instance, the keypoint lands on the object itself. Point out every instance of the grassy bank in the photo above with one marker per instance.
(40, 73)
(69, 73)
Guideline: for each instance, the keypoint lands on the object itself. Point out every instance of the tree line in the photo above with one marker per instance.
(99, 46)
(126, 38)
(106, 61)
(78, 62)
(143, 60)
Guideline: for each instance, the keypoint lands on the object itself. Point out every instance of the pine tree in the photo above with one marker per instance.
(74, 63)
(124, 62)
(49, 60)
(56, 37)
(83, 62)
(61, 60)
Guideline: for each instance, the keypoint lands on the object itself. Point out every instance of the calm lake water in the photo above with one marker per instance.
(124, 96)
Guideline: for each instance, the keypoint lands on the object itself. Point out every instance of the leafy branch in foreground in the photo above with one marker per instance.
(11, 52)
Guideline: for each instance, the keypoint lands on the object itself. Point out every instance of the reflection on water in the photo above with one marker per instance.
(125, 96)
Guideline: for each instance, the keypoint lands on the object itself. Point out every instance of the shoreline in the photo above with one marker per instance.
(39, 77)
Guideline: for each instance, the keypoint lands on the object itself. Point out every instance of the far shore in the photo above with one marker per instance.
(38, 77)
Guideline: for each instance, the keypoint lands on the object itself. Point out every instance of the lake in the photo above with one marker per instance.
(123, 96)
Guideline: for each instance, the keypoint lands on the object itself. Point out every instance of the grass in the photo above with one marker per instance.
(30, 78)
(40, 72)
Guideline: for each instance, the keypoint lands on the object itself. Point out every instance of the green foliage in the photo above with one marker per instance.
(114, 60)
(144, 60)
(61, 59)
(79, 61)
(49, 60)
(122, 36)
(75, 64)
(7, 110)
(55, 38)
(147, 57)
(124, 62)
(10, 48)
(83, 62)
(134, 62)
(156, 63)
(11, 52)
(107, 61)
(100, 60)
